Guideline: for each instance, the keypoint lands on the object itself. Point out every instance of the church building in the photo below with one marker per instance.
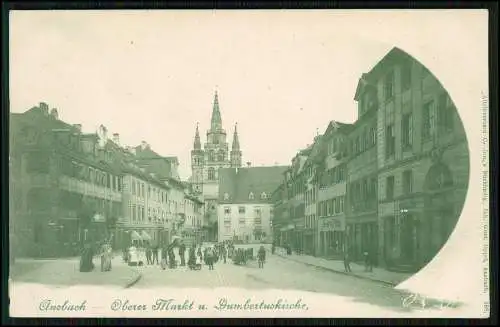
(206, 162)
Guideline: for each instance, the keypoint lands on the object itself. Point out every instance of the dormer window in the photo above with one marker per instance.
(251, 196)
(226, 196)
(263, 195)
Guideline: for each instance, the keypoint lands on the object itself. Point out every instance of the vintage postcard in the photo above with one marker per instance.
(216, 163)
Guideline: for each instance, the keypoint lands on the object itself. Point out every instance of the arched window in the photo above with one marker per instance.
(263, 195)
(211, 156)
(211, 174)
(221, 156)
(226, 196)
(251, 196)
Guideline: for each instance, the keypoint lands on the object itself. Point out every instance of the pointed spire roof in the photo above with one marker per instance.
(216, 118)
(197, 143)
(236, 141)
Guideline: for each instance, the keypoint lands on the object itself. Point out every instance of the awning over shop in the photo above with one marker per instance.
(145, 236)
(287, 228)
(135, 236)
(99, 218)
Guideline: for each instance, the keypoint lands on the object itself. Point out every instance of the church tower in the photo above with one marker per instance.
(206, 162)
(235, 149)
(216, 149)
(197, 164)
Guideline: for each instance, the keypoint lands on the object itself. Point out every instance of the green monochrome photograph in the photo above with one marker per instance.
(253, 163)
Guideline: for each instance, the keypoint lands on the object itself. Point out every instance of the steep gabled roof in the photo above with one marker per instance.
(238, 183)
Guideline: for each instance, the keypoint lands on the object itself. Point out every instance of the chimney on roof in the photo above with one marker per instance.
(144, 145)
(249, 163)
(44, 108)
(78, 127)
(116, 138)
(54, 114)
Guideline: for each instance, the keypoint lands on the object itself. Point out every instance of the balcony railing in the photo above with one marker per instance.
(362, 206)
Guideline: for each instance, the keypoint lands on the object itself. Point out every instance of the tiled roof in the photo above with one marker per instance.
(238, 183)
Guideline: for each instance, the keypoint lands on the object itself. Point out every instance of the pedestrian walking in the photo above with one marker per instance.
(182, 253)
(224, 253)
(273, 248)
(106, 257)
(347, 259)
(149, 254)
(209, 258)
(261, 254)
(171, 259)
(164, 257)
(86, 260)
(156, 249)
(368, 261)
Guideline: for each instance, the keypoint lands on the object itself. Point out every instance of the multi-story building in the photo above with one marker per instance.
(296, 188)
(310, 171)
(145, 206)
(423, 160)
(245, 207)
(283, 224)
(163, 167)
(193, 233)
(332, 173)
(206, 162)
(67, 189)
(361, 210)
(280, 219)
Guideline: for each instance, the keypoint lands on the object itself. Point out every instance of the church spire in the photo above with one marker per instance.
(236, 141)
(235, 151)
(216, 118)
(197, 143)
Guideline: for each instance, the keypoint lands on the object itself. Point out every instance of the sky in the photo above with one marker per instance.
(151, 75)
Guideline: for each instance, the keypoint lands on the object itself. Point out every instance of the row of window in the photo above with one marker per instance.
(138, 213)
(365, 141)
(334, 146)
(251, 196)
(92, 175)
(242, 221)
(333, 176)
(407, 185)
(363, 190)
(310, 221)
(445, 117)
(138, 188)
(332, 206)
(211, 156)
(241, 210)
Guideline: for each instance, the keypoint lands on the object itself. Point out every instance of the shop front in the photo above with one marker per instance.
(297, 240)
(362, 236)
(331, 237)
(309, 241)
(286, 235)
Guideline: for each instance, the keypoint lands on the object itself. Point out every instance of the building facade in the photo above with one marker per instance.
(362, 170)
(245, 208)
(332, 173)
(145, 207)
(296, 181)
(67, 189)
(310, 171)
(193, 233)
(207, 161)
(423, 162)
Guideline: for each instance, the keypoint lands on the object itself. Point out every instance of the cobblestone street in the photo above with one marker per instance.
(64, 273)
(278, 273)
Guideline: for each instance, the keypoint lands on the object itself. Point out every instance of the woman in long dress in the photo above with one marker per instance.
(106, 257)
(86, 264)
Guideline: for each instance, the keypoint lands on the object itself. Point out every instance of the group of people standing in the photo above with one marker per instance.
(104, 249)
